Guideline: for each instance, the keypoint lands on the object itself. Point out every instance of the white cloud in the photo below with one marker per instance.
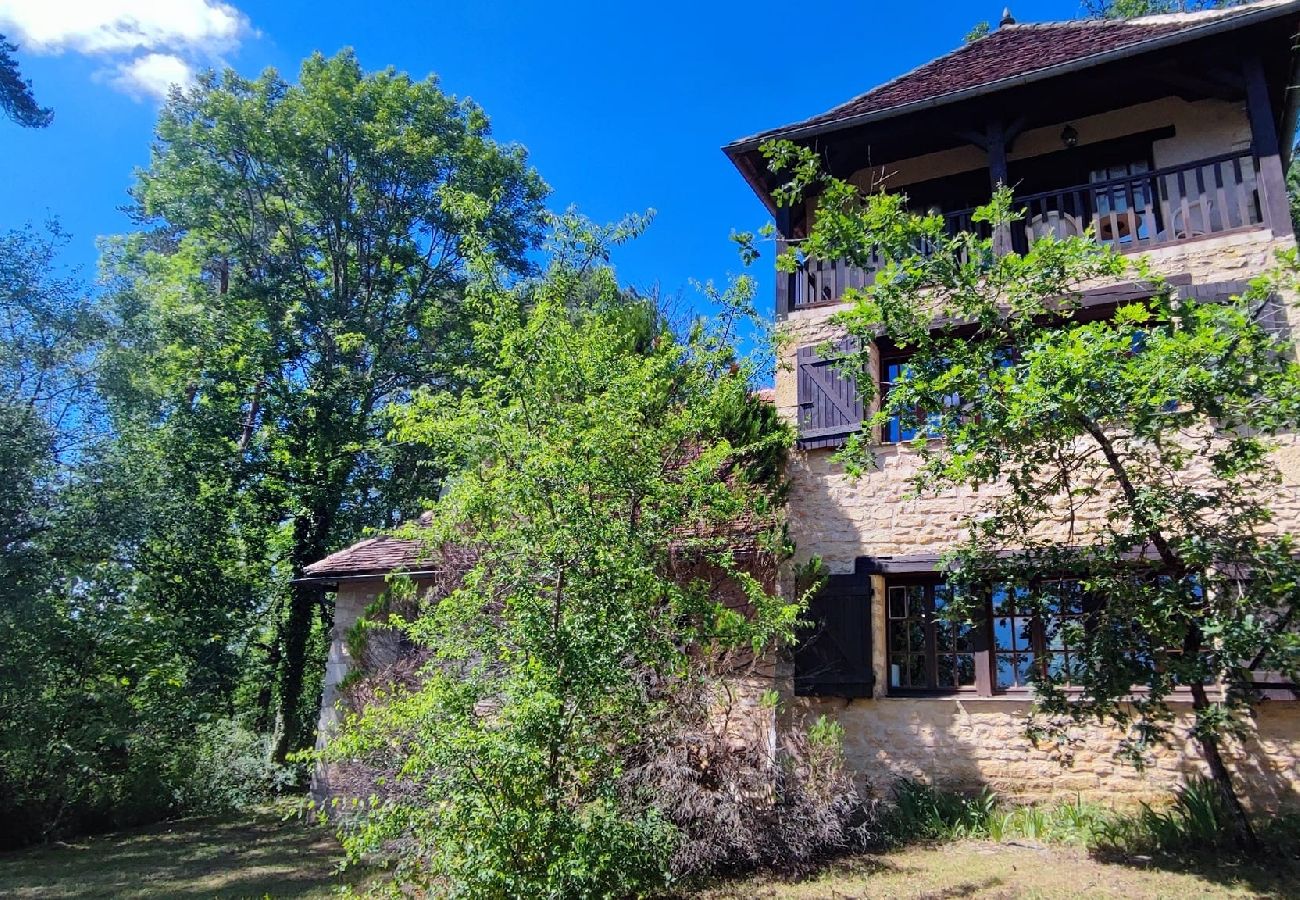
(147, 44)
(153, 74)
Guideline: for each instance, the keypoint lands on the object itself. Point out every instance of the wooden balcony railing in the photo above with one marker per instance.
(1133, 214)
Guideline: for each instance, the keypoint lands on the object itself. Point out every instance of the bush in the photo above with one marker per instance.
(232, 768)
(1196, 825)
(923, 812)
(738, 810)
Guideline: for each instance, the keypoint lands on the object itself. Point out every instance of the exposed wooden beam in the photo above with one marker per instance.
(1264, 142)
(997, 150)
(782, 279)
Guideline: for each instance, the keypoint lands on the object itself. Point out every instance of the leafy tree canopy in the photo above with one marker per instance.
(304, 276)
(16, 98)
(596, 455)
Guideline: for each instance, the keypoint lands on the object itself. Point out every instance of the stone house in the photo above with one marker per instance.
(1170, 137)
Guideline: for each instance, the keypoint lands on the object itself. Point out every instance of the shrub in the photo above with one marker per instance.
(1197, 823)
(737, 809)
(923, 812)
(232, 767)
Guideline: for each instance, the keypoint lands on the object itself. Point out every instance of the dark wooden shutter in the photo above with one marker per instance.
(829, 406)
(833, 655)
(1272, 318)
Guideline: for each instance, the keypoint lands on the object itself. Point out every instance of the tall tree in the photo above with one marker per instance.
(16, 98)
(598, 456)
(305, 275)
(1128, 9)
(1131, 454)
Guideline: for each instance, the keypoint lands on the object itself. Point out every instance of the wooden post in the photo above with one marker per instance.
(996, 145)
(783, 279)
(1273, 201)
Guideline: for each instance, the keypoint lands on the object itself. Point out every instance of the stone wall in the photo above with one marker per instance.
(971, 742)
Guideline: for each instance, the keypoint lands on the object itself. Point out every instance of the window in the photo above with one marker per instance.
(999, 651)
(900, 428)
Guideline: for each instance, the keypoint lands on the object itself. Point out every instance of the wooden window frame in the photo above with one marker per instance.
(984, 648)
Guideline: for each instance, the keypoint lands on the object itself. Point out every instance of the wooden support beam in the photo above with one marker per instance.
(1273, 201)
(1013, 131)
(783, 280)
(997, 149)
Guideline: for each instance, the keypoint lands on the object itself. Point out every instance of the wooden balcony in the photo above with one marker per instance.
(1133, 214)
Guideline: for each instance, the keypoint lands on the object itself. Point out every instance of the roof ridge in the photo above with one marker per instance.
(1109, 36)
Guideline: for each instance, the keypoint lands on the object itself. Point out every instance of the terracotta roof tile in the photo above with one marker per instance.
(1014, 51)
(373, 556)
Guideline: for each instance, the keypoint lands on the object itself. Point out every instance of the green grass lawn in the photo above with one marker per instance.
(256, 854)
(1019, 870)
(261, 854)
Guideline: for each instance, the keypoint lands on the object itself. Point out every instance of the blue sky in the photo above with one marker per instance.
(623, 107)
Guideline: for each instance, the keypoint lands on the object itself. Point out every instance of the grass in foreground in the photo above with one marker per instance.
(1022, 869)
(253, 854)
(261, 854)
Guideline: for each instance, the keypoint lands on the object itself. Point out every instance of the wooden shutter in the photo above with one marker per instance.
(833, 655)
(829, 406)
(1272, 318)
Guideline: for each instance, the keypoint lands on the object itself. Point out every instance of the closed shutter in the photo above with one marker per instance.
(1272, 318)
(833, 655)
(830, 408)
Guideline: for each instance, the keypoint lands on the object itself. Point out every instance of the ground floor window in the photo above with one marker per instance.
(997, 649)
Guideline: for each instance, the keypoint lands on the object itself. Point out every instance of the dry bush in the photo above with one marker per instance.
(739, 807)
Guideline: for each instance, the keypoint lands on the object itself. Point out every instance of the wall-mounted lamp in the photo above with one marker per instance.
(1069, 136)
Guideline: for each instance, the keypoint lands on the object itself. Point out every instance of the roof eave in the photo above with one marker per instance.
(367, 575)
(1212, 27)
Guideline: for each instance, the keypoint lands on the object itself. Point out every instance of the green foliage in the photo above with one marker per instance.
(304, 275)
(980, 30)
(230, 768)
(921, 812)
(1144, 434)
(16, 98)
(1196, 824)
(1129, 9)
(593, 455)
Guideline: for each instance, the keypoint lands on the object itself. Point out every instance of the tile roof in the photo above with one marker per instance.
(372, 556)
(1015, 51)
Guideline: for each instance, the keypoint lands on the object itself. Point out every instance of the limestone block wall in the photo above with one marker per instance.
(971, 742)
(967, 744)
(840, 518)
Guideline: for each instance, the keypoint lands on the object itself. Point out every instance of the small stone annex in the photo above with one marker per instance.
(1167, 137)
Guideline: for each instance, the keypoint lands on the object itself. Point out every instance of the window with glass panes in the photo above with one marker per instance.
(927, 652)
(998, 651)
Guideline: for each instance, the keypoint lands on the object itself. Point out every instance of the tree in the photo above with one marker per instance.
(303, 277)
(595, 451)
(1131, 452)
(1129, 9)
(16, 98)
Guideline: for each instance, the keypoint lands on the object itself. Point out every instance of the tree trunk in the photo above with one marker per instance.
(1243, 831)
(294, 732)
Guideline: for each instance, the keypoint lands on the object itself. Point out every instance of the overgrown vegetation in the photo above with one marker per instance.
(179, 445)
(612, 539)
(1195, 823)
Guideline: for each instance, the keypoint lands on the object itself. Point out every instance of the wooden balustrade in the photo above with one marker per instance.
(1134, 213)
